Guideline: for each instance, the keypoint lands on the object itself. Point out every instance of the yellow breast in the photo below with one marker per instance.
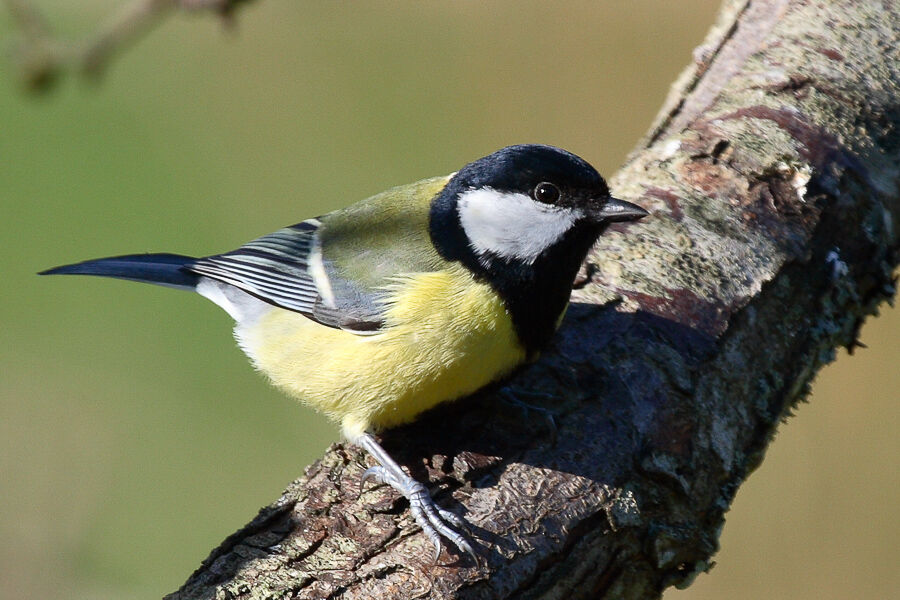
(445, 337)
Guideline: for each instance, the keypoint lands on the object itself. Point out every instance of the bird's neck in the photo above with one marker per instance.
(537, 294)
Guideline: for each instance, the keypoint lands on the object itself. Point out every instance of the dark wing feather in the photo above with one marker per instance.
(274, 268)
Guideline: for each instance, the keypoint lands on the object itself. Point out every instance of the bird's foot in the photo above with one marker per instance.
(434, 521)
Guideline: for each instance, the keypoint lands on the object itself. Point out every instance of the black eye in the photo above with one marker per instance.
(546, 192)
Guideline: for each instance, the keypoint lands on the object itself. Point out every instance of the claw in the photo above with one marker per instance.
(434, 521)
(454, 519)
(376, 474)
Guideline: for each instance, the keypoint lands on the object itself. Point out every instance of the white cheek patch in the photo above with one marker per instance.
(512, 225)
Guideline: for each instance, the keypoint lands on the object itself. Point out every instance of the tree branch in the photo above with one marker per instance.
(773, 174)
(42, 59)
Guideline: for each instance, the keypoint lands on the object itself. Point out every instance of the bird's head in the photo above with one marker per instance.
(523, 219)
(520, 202)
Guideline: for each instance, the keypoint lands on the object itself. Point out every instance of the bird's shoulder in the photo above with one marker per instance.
(382, 236)
(337, 268)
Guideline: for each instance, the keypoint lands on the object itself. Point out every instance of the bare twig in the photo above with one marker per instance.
(132, 21)
(28, 17)
(42, 58)
(38, 56)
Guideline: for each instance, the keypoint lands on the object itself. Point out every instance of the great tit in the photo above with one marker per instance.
(416, 296)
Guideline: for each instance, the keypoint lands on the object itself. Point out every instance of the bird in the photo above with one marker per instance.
(422, 294)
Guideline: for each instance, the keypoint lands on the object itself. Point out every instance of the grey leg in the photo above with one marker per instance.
(432, 519)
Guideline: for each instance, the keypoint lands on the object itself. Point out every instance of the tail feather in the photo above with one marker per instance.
(161, 269)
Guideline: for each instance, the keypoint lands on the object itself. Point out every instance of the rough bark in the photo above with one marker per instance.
(772, 174)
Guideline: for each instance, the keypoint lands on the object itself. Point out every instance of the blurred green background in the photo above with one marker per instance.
(134, 436)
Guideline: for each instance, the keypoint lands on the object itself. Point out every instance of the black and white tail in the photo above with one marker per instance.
(161, 269)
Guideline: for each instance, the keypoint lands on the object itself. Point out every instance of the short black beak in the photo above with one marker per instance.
(617, 211)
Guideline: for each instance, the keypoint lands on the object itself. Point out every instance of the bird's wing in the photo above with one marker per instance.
(274, 268)
(336, 269)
